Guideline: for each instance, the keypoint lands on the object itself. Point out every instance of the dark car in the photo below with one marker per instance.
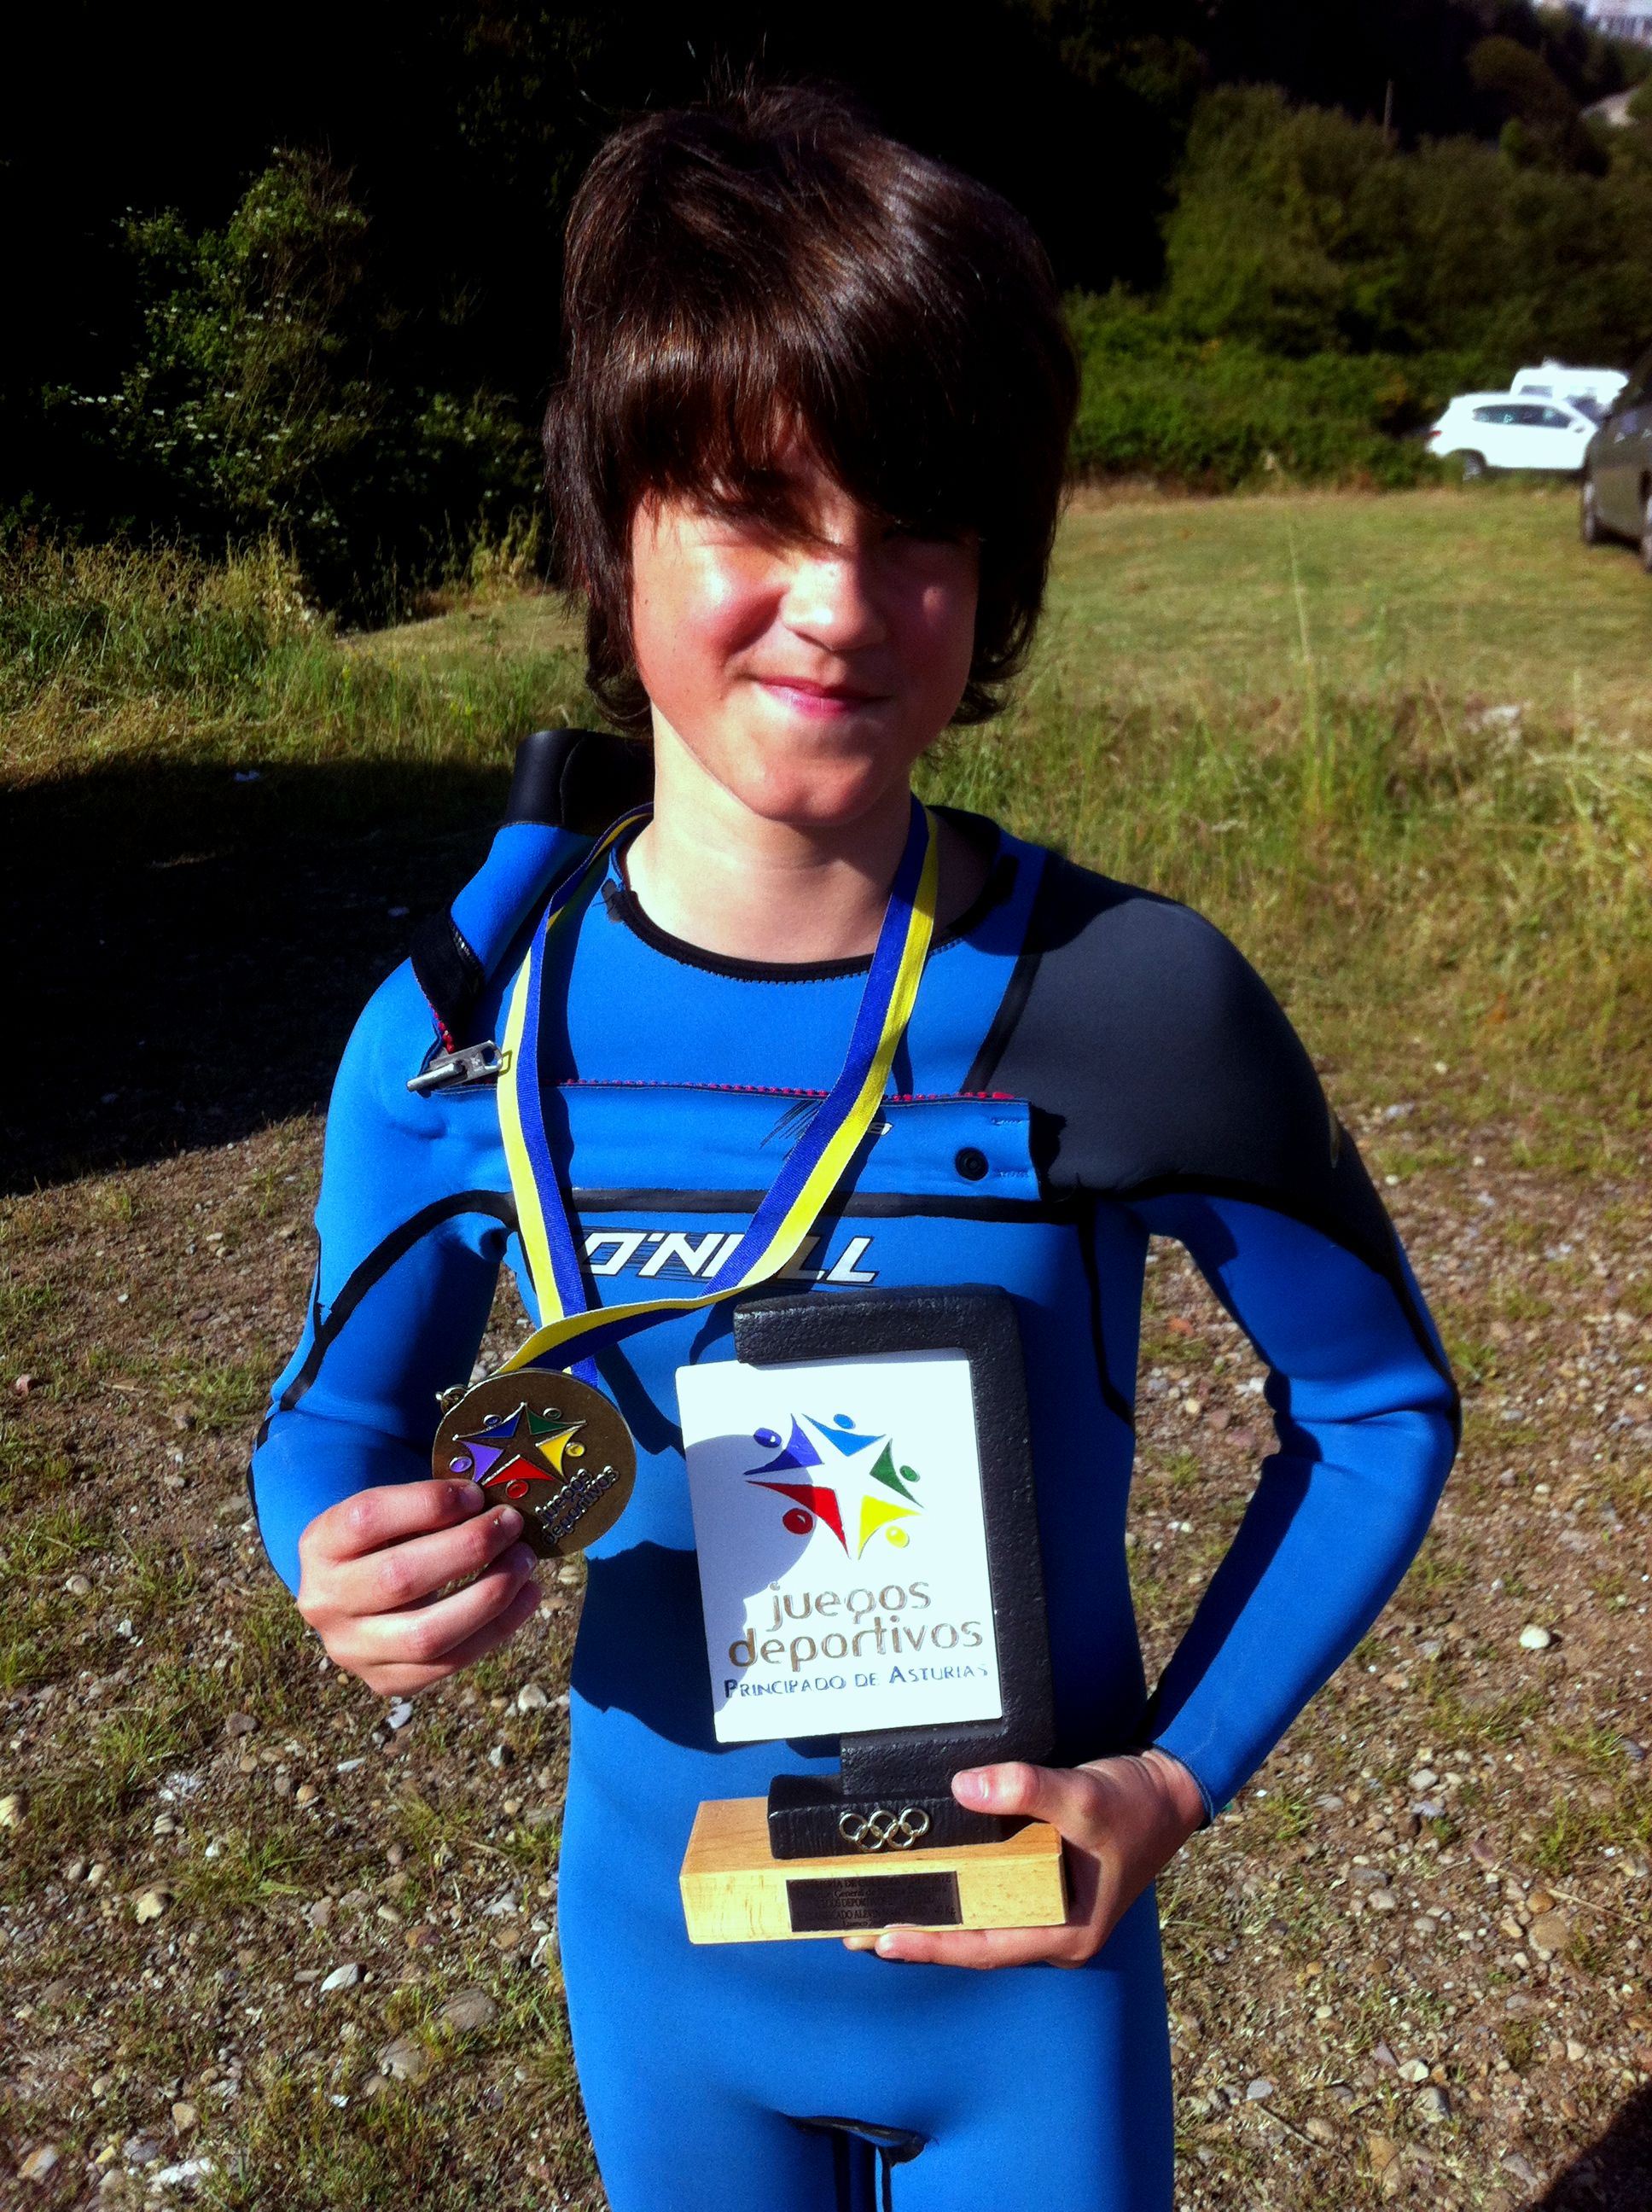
(1617, 496)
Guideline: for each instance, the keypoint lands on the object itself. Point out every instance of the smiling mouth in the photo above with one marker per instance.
(826, 697)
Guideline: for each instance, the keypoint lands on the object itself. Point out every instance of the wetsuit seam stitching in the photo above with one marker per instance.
(499, 1206)
(1310, 1216)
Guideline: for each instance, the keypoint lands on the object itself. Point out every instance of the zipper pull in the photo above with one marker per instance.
(471, 1063)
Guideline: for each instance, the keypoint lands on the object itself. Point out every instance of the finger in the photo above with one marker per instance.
(400, 1574)
(432, 1631)
(982, 1948)
(1060, 1795)
(385, 1514)
(500, 1630)
(408, 1681)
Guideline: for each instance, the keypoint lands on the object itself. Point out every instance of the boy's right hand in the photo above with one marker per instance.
(370, 1567)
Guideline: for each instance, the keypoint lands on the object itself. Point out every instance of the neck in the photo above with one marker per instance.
(709, 870)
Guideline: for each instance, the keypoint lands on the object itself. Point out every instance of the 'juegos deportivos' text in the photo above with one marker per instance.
(867, 1631)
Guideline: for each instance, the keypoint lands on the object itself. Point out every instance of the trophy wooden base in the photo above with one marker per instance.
(736, 1890)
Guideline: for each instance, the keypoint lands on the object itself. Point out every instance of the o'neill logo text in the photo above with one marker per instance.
(680, 1253)
(836, 1475)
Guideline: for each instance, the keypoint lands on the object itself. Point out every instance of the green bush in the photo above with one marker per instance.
(1326, 292)
(1301, 231)
(1219, 413)
(268, 399)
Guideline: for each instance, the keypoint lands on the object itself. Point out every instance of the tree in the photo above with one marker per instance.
(1266, 242)
(262, 399)
(1543, 126)
(1299, 230)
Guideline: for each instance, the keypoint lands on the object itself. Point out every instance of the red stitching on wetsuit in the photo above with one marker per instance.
(777, 1091)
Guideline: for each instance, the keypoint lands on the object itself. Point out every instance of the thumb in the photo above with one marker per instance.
(1039, 1793)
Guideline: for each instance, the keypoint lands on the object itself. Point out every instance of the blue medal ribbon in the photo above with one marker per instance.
(571, 1329)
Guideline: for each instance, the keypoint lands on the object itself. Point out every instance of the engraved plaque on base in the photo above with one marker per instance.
(843, 1904)
(736, 1890)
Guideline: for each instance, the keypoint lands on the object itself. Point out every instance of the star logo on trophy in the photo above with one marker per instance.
(836, 1474)
(520, 1448)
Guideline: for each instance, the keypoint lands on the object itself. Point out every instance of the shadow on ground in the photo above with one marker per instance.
(187, 950)
(1615, 2173)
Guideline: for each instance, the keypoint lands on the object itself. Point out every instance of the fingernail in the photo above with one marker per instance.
(469, 1495)
(510, 1520)
(974, 1781)
(887, 1945)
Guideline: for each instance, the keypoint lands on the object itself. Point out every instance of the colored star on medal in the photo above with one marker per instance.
(522, 1446)
(555, 1447)
(857, 1495)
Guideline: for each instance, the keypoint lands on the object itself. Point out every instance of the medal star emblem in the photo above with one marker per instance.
(556, 1448)
(523, 1446)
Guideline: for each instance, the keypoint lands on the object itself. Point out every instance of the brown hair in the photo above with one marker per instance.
(769, 261)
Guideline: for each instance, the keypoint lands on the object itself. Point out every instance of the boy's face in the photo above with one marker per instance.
(804, 676)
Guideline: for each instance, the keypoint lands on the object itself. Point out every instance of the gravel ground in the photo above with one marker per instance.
(265, 1941)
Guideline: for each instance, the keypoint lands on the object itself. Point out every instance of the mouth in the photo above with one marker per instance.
(803, 695)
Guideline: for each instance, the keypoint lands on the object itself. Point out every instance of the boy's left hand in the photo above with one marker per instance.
(1122, 1820)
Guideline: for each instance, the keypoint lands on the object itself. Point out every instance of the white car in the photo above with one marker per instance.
(1496, 430)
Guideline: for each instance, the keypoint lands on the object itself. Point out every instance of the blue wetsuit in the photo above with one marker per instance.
(1087, 1065)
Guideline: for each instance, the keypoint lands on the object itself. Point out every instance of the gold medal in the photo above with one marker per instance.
(556, 1448)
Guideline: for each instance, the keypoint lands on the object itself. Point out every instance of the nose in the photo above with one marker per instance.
(832, 598)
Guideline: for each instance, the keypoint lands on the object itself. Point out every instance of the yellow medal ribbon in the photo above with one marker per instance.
(569, 1324)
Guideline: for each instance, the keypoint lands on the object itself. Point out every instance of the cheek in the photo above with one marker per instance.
(938, 626)
(688, 623)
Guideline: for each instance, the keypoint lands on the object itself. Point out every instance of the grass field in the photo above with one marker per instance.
(1399, 748)
(1432, 710)
(1446, 595)
(1174, 603)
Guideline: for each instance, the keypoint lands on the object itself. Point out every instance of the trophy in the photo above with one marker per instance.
(862, 1483)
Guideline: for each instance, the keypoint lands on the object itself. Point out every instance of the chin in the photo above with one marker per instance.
(817, 776)
(816, 794)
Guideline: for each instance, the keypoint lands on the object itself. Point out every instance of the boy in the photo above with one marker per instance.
(805, 467)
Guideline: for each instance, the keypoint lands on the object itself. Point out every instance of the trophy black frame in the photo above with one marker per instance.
(888, 1775)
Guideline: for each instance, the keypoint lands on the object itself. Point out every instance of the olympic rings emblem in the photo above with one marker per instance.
(883, 1830)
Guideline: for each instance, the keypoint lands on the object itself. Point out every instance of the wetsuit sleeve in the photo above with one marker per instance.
(408, 1257)
(1363, 1414)
(1166, 1077)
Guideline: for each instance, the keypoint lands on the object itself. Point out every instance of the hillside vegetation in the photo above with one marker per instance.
(1289, 232)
